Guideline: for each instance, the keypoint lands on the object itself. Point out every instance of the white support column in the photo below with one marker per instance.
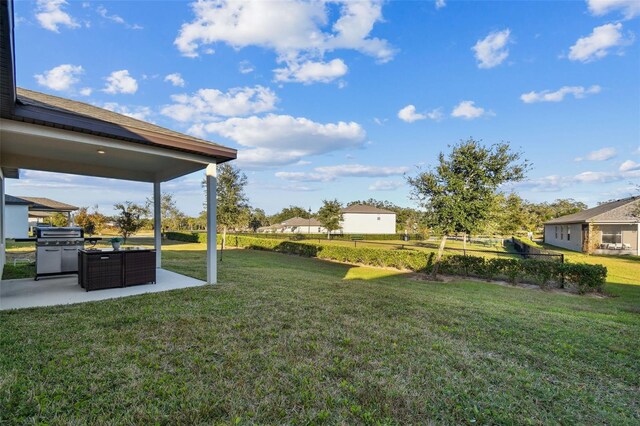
(212, 266)
(157, 223)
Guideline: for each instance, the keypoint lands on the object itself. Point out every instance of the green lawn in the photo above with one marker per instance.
(286, 339)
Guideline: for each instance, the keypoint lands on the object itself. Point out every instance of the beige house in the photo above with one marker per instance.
(610, 228)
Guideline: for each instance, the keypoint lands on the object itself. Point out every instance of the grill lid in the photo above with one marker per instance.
(59, 232)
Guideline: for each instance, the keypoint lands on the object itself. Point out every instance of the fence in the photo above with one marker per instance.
(528, 251)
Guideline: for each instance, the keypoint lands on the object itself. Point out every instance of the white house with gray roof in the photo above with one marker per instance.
(365, 219)
(610, 228)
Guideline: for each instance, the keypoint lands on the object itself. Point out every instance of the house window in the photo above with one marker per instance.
(319, 230)
(378, 217)
(611, 235)
(562, 232)
(556, 231)
(568, 233)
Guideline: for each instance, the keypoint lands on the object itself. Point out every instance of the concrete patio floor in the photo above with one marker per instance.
(28, 293)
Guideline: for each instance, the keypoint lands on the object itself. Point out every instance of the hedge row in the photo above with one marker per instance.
(584, 277)
(201, 237)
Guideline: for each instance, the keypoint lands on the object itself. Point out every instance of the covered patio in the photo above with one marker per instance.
(28, 293)
(48, 133)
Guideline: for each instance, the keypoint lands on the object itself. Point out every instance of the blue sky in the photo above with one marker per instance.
(340, 100)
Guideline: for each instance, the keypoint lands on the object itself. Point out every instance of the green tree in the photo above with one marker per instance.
(459, 192)
(170, 215)
(58, 219)
(330, 215)
(129, 219)
(514, 215)
(288, 213)
(257, 219)
(232, 201)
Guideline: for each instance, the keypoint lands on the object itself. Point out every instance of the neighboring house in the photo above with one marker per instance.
(299, 225)
(609, 228)
(24, 212)
(43, 208)
(365, 219)
(16, 220)
(295, 225)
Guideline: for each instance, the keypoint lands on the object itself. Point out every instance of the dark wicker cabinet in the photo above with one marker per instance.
(109, 269)
(139, 267)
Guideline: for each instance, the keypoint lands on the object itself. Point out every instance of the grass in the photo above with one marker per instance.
(621, 269)
(289, 340)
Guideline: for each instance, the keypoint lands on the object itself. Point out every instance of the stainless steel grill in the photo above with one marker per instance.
(57, 250)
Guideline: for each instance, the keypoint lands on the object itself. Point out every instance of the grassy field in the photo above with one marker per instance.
(285, 339)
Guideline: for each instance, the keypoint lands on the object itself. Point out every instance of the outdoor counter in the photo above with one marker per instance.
(108, 268)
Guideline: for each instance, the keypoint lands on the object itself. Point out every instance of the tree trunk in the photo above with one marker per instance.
(328, 234)
(224, 241)
(464, 243)
(436, 265)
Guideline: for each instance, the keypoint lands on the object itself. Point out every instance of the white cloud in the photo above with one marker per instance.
(138, 112)
(276, 140)
(599, 155)
(50, 15)
(409, 114)
(306, 34)
(175, 79)
(245, 67)
(440, 4)
(385, 185)
(210, 104)
(86, 91)
(629, 8)
(121, 82)
(311, 72)
(492, 50)
(629, 166)
(468, 111)
(596, 45)
(102, 11)
(60, 78)
(331, 173)
(578, 92)
(553, 183)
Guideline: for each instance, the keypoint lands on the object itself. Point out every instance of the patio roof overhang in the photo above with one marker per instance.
(44, 132)
(30, 146)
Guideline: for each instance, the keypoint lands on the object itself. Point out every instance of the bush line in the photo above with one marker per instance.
(584, 277)
(201, 237)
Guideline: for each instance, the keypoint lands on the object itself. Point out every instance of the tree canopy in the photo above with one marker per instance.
(330, 215)
(288, 213)
(130, 218)
(232, 202)
(459, 193)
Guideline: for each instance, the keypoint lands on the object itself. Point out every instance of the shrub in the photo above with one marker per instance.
(585, 277)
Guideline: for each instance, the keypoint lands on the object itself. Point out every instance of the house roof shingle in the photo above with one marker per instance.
(47, 204)
(40, 108)
(364, 208)
(11, 200)
(619, 211)
(300, 221)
